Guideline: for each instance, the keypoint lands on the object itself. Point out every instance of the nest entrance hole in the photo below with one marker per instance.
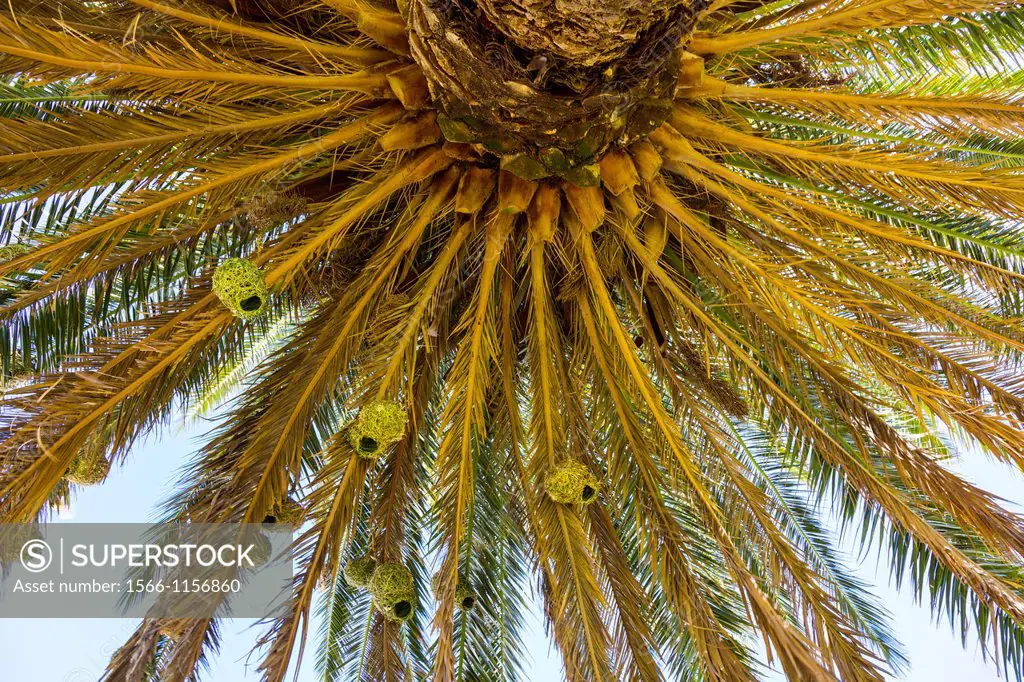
(250, 304)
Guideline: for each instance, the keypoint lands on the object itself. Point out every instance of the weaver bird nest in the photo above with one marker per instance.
(262, 550)
(240, 287)
(394, 592)
(287, 512)
(378, 426)
(572, 482)
(88, 469)
(12, 251)
(465, 597)
(271, 208)
(359, 571)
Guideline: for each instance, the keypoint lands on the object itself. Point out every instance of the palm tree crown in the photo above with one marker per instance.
(620, 314)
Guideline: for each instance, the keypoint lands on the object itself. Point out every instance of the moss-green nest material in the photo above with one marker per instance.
(290, 512)
(378, 426)
(261, 552)
(394, 592)
(359, 571)
(88, 469)
(572, 482)
(240, 287)
(465, 596)
(12, 251)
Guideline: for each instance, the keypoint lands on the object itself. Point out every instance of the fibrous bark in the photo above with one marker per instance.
(550, 86)
(584, 32)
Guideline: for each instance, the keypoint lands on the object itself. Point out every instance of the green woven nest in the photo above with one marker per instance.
(572, 482)
(378, 426)
(465, 597)
(358, 572)
(88, 469)
(12, 251)
(289, 512)
(394, 592)
(240, 287)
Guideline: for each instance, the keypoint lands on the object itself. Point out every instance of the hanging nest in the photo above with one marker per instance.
(88, 468)
(394, 592)
(572, 482)
(262, 549)
(288, 512)
(291, 513)
(465, 597)
(271, 208)
(378, 426)
(240, 287)
(12, 251)
(358, 572)
(12, 537)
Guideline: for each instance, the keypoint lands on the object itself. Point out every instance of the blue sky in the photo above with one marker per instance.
(77, 650)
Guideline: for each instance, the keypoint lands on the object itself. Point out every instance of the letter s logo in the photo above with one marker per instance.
(36, 556)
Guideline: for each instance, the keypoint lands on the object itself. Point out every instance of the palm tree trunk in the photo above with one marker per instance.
(550, 85)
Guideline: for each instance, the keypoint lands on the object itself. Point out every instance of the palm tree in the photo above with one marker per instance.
(634, 301)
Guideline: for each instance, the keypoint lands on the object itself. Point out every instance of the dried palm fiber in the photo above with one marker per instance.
(378, 426)
(240, 287)
(88, 468)
(9, 253)
(19, 373)
(359, 571)
(394, 592)
(271, 208)
(11, 384)
(572, 482)
(173, 628)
